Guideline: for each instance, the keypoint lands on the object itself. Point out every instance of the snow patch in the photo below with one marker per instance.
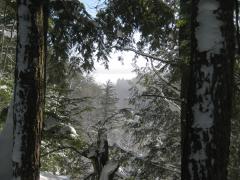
(23, 34)
(68, 129)
(208, 33)
(210, 40)
(203, 111)
(61, 128)
(203, 115)
(20, 108)
(200, 156)
(3, 87)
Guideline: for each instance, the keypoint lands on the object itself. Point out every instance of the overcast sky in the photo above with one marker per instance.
(117, 70)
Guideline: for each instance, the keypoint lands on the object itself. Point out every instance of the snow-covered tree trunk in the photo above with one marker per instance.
(29, 90)
(206, 145)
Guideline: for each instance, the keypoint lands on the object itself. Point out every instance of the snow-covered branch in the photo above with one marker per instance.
(148, 55)
(167, 97)
(163, 165)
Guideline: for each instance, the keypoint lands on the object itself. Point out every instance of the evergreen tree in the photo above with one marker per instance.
(108, 102)
(157, 135)
(8, 37)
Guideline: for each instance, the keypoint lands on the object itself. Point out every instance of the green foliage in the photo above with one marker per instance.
(119, 21)
(71, 28)
(181, 23)
(61, 156)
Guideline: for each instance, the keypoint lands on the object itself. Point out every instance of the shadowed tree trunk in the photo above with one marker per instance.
(29, 89)
(208, 113)
(184, 54)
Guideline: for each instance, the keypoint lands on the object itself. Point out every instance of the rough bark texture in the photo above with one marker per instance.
(184, 54)
(206, 145)
(29, 90)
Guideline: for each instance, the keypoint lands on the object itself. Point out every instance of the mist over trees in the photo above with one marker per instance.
(177, 119)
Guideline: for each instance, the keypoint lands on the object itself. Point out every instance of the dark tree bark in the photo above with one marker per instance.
(184, 54)
(29, 89)
(207, 137)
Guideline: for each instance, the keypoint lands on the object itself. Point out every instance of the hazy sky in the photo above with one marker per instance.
(117, 70)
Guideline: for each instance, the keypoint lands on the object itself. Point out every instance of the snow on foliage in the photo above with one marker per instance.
(4, 87)
(50, 176)
(69, 130)
(108, 169)
(210, 40)
(52, 123)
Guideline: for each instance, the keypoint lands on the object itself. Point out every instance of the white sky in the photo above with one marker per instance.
(117, 70)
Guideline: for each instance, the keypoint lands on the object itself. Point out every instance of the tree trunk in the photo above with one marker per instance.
(29, 89)
(206, 144)
(184, 54)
